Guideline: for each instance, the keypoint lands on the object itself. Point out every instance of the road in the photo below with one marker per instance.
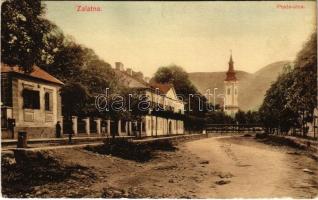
(215, 167)
(252, 169)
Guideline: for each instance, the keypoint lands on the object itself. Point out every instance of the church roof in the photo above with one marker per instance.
(230, 74)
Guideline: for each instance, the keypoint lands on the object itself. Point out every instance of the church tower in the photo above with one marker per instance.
(231, 90)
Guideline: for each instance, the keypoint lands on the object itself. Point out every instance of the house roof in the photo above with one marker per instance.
(163, 87)
(37, 73)
(119, 72)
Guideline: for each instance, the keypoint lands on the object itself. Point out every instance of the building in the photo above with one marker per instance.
(169, 121)
(231, 90)
(156, 122)
(29, 102)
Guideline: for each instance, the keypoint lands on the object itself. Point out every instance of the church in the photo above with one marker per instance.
(231, 90)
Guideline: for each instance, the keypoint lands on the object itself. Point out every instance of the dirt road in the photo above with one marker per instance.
(251, 169)
(214, 167)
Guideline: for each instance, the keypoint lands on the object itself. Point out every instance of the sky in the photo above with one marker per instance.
(195, 35)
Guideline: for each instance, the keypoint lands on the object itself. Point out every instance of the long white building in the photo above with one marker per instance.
(168, 121)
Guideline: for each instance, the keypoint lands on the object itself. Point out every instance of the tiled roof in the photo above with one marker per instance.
(163, 87)
(124, 73)
(36, 73)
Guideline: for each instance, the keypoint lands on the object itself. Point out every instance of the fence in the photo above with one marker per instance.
(233, 128)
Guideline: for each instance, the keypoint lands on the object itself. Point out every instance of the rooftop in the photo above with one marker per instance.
(37, 73)
(163, 87)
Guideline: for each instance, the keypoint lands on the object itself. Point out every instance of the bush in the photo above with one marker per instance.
(138, 151)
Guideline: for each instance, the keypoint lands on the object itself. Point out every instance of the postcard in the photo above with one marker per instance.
(159, 99)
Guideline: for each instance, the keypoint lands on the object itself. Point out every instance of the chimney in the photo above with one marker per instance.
(147, 79)
(129, 71)
(119, 66)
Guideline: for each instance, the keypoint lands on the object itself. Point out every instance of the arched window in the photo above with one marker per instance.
(228, 91)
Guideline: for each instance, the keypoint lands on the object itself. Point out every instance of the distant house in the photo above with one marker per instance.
(166, 124)
(30, 100)
(153, 123)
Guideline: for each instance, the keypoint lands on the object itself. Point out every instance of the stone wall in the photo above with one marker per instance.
(37, 132)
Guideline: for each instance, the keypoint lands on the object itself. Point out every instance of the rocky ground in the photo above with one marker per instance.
(213, 167)
(257, 168)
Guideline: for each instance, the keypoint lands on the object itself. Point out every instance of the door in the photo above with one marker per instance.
(170, 128)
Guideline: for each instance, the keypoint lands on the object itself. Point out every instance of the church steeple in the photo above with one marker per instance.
(231, 86)
(230, 74)
(231, 64)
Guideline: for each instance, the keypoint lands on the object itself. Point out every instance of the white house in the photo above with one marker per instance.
(167, 122)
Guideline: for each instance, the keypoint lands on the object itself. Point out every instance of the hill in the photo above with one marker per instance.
(252, 87)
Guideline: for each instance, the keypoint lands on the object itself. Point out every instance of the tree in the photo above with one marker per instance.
(73, 63)
(176, 75)
(275, 114)
(74, 98)
(218, 117)
(22, 32)
(252, 117)
(29, 39)
(291, 100)
(303, 91)
(240, 117)
(307, 57)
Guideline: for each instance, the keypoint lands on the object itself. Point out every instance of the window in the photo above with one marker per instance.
(235, 91)
(228, 91)
(31, 99)
(48, 101)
